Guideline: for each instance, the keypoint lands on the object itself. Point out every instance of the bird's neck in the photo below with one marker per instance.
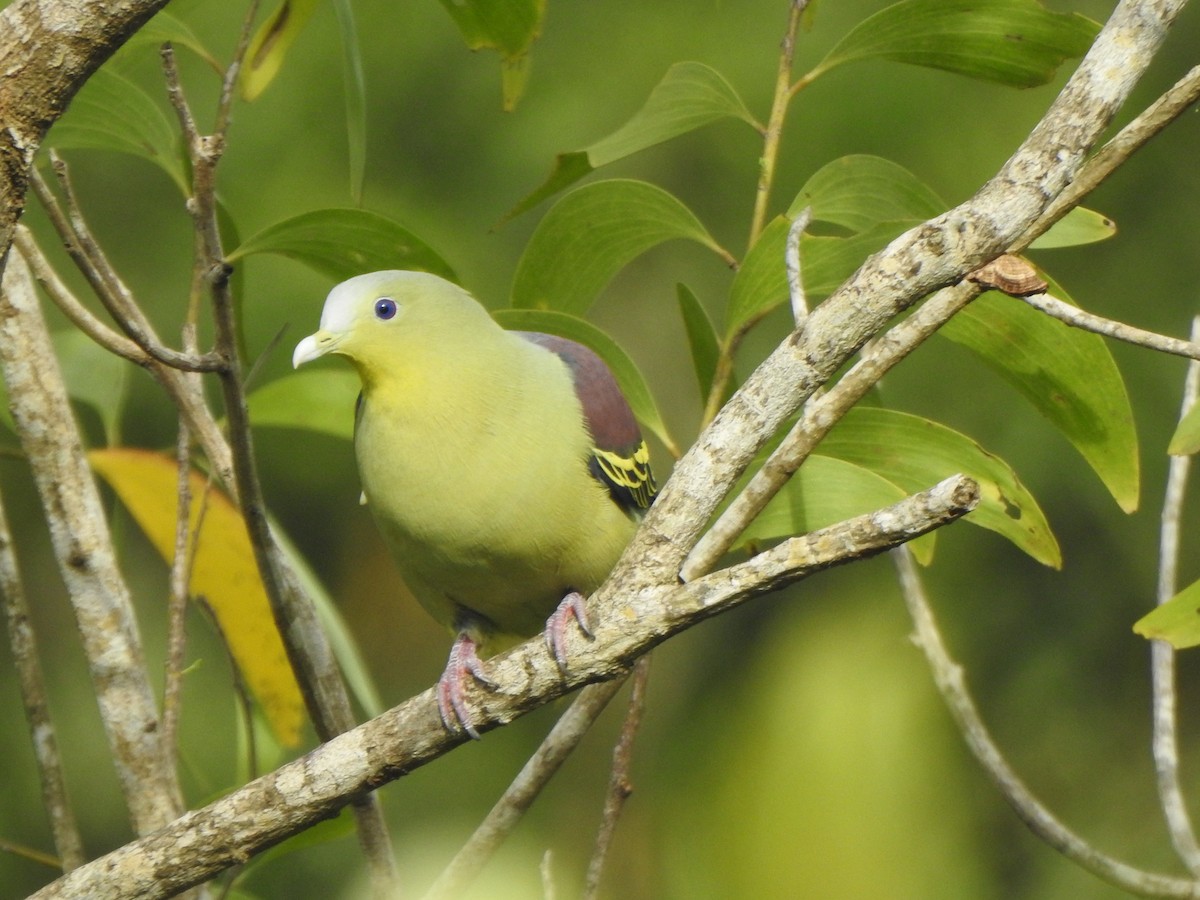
(472, 389)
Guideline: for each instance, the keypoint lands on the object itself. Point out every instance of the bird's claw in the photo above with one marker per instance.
(571, 607)
(451, 696)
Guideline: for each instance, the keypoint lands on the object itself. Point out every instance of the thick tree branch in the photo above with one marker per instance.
(47, 52)
(820, 416)
(926, 258)
(86, 559)
(203, 842)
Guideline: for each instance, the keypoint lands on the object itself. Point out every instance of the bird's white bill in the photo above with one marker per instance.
(313, 347)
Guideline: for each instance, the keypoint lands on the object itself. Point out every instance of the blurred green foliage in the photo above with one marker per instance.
(795, 748)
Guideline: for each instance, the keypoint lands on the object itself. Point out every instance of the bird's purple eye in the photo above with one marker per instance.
(385, 308)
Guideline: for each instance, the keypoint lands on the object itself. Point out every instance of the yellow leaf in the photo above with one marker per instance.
(223, 572)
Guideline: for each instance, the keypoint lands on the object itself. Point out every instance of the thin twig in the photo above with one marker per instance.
(619, 783)
(184, 390)
(1152, 120)
(563, 738)
(34, 696)
(1165, 738)
(948, 676)
(80, 316)
(178, 591)
(92, 262)
(85, 554)
(1078, 318)
(546, 870)
(308, 649)
(772, 133)
(37, 856)
(774, 129)
(792, 259)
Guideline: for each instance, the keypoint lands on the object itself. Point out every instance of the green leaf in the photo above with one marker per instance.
(825, 262)
(873, 197)
(630, 379)
(823, 492)
(1079, 226)
(568, 169)
(859, 192)
(1067, 374)
(590, 235)
(1177, 621)
(702, 339)
(270, 44)
(319, 400)
(94, 377)
(342, 243)
(690, 96)
(355, 85)
(113, 113)
(915, 453)
(1186, 439)
(1018, 43)
(509, 26)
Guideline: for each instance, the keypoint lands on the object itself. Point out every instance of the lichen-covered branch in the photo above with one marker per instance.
(922, 260)
(266, 811)
(85, 555)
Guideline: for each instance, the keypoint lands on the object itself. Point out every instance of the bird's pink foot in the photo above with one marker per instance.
(452, 700)
(571, 607)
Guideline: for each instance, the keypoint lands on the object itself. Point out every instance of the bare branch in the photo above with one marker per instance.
(792, 258)
(933, 255)
(819, 416)
(948, 676)
(81, 317)
(1078, 318)
(563, 738)
(1161, 113)
(307, 646)
(1165, 738)
(184, 391)
(181, 576)
(203, 842)
(619, 784)
(85, 555)
(32, 684)
(92, 262)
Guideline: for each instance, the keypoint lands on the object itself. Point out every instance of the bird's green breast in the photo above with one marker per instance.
(477, 475)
